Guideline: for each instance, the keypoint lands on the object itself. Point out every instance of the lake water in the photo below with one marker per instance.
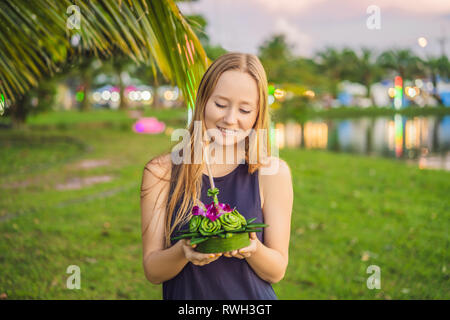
(421, 140)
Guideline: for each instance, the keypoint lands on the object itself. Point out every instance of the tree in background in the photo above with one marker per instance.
(86, 69)
(35, 41)
(275, 54)
(282, 66)
(434, 68)
(198, 24)
(120, 64)
(402, 62)
(336, 66)
(365, 70)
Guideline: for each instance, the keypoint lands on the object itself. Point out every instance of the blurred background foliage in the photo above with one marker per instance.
(72, 159)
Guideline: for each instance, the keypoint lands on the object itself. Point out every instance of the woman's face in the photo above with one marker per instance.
(232, 109)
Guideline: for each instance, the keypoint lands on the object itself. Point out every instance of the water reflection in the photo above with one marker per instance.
(422, 140)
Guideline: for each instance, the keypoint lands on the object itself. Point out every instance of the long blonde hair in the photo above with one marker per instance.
(186, 179)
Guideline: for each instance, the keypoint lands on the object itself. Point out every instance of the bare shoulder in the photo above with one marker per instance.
(275, 175)
(160, 165)
(275, 169)
(156, 172)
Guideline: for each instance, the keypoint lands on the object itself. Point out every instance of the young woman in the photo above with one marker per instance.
(231, 101)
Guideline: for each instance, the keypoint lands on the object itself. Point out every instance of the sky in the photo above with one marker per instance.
(311, 25)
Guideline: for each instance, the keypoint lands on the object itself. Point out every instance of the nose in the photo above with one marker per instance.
(230, 117)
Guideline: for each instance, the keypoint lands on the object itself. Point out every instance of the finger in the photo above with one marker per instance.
(212, 256)
(239, 256)
(236, 254)
(209, 259)
(245, 254)
(203, 256)
(253, 235)
(247, 249)
(213, 259)
(197, 262)
(187, 242)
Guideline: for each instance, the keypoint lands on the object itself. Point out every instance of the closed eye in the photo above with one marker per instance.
(242, 110)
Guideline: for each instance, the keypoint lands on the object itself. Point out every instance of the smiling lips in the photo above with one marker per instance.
(227, 131)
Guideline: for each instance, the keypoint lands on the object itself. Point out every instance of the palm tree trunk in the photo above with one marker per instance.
(369, 93)
(156, 103)
(86, 103)
(19, 113)
(435, 93)
(369, 136)
(435, 139)
(123, 104)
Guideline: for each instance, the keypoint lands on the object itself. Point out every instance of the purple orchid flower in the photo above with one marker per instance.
(215, 211)
(199, 210)
(212, 213)
(225, 207)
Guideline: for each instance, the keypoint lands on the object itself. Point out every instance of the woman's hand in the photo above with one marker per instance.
(244, 252)
(197, 258)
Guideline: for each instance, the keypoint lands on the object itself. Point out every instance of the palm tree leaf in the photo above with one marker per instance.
(36, 41)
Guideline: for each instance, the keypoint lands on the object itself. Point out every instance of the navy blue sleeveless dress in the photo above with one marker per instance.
(225, 278)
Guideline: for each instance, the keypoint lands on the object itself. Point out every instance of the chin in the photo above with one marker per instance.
(229, 140)
(223, 141)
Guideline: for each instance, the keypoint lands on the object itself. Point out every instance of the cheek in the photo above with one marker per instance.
(250, 123)
(212, 113)
(209, 115)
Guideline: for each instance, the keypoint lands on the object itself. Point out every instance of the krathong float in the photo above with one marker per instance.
(216, 227)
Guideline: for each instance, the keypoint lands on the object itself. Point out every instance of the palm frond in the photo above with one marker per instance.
(36, 40)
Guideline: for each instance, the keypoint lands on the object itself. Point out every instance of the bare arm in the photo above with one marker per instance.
(270, 260)
(162, 264)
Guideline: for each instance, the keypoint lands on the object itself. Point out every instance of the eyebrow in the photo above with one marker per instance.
(243, 101)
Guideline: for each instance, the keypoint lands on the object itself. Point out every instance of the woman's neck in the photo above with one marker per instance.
(225, 155)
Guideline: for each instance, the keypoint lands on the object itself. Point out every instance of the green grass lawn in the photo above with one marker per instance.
(349, 212)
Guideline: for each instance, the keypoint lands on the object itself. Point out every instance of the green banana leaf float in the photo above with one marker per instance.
(218, 228)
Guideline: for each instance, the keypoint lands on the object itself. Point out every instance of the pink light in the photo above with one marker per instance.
(130, 88)
(149, 125)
